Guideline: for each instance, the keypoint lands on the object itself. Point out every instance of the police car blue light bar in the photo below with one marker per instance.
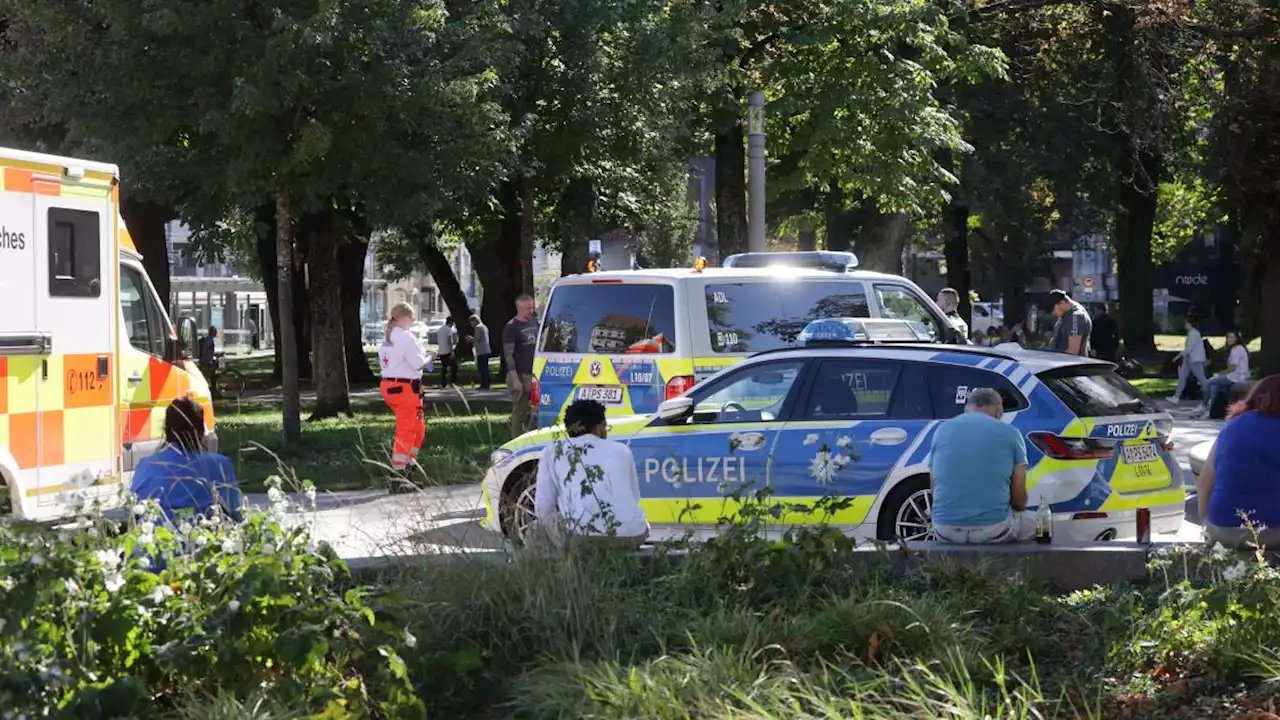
(829, 331)
(812, 260)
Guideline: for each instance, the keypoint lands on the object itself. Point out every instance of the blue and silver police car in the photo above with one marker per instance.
(852, 414)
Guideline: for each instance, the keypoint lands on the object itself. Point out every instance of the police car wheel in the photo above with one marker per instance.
(907, 511)
(517, 508)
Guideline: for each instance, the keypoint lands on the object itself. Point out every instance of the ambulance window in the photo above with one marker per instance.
(950, 386)
(847, 388)
(75, 256)
(751, 317)
(610, 318)
(753, 394)
(141, 318)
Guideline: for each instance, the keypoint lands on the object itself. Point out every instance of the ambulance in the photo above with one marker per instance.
(88, 357)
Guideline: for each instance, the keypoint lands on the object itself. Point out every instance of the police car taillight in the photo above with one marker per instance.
(533, 394)
(677, 385)
(1069, 448)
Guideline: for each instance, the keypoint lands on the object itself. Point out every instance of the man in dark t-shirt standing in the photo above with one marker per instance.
(1071, 331)
(519, 339)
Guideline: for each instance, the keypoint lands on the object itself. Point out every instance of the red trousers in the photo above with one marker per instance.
(411, 425)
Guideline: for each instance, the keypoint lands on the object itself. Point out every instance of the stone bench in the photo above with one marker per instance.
(1062, 566)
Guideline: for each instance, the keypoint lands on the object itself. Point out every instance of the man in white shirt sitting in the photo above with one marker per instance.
(610, 514)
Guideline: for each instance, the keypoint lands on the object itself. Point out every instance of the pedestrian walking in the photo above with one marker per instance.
(483, 351)
(1105, 337)
(208, 360)
(519, 340)
(401, 360)
(1073, 327)
(253, 333)
(446, 349)
(1193, 358)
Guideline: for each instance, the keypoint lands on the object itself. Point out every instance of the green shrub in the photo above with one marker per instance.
(88, 630)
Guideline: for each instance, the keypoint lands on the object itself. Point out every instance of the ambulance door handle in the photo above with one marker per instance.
(135, 378)
(44, 369)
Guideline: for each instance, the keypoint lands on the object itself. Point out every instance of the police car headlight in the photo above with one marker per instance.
(500, 456)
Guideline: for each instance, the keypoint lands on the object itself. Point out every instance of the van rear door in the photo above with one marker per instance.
(609, 340)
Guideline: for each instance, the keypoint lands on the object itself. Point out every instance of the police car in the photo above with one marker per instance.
(852, 414)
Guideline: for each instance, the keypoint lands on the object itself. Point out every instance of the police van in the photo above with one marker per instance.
(632, 339)
(88, 357)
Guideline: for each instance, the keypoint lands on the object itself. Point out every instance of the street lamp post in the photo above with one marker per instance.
(755, 172)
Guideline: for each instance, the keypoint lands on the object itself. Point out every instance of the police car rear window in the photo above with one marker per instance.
(610, 318)
(751, 317)
(1097, 392)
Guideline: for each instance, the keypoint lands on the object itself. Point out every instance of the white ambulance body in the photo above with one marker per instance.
(88, 357)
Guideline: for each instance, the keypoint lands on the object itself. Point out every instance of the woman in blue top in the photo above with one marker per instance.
(186, 480)
(1242, 472)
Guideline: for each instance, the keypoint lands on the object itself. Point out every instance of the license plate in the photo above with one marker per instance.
(1138, 454)
(611, 395)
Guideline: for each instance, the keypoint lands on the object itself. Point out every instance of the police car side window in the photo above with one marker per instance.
(75, 254)
(141, 317)
(899, 303)
(753, 394)
(852, 388)
(950, 385)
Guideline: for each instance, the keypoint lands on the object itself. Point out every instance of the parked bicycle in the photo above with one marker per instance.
(229, 382)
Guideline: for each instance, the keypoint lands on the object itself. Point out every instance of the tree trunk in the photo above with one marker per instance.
(1134, 224)
(578, 203)
(881, 239)
(286, 333)
(497, 265)
(527, 231)
(1270, 319)
(956, 250)
(842, 223)
(146, 222)
(437, 264)
(731, 189)
(351, 257)
(807, 240)
(265, 232)
(324, 275)
(1012, 262)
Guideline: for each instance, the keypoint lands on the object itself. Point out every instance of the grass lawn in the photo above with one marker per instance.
(354, 453)
(1158, 387)
(1173, 343)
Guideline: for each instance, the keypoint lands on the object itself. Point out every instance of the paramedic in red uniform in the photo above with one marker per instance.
(401, 360)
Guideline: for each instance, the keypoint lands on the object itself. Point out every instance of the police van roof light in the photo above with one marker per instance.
(809, 259)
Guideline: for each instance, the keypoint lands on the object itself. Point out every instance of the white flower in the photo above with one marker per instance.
(274, 482)
(310, 492)
(72, 587)
(1220, 551)
(77, 502)
(232, 544)
(160, 593)
(185, 528)
(7, 583)
(234, 606)
(811, 438)
(268, 548)
(1235, 572)
(844, 441)
(275, 495)
(409, 640)
(37, 559)
(114, 582)
(822, 468)
(108, 558)
(139, 509)
(201, 540)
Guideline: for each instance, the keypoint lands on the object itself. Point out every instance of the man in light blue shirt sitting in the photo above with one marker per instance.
(979, 469)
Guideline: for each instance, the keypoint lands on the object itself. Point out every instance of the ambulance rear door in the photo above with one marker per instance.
(75, 283)
(22, 345)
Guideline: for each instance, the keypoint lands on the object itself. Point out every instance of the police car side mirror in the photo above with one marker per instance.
(676, 409)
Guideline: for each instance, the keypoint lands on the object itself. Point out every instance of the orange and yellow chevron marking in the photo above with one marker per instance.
(22, 177)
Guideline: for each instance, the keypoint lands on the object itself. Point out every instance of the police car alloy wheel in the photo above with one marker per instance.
(521, 517)
(913, 521)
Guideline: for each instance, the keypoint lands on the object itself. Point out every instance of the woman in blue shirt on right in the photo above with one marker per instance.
(1242, 473)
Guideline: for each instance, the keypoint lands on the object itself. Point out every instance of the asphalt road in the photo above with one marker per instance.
(372, 523)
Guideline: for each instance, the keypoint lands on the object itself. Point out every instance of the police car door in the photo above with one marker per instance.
(859, 419)
(698, 469)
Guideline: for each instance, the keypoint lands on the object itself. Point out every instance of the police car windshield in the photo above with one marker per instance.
(610, 318)
(1097, 392)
